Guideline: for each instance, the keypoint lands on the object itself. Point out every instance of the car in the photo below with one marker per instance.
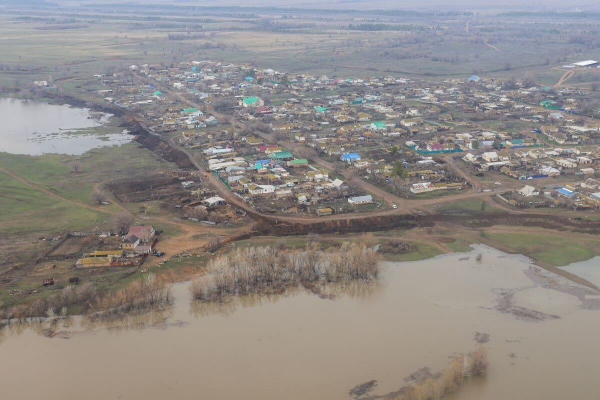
(159, 253)
(395, 206)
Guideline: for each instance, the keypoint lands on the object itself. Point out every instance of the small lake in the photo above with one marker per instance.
(543, 340)
(35, 128)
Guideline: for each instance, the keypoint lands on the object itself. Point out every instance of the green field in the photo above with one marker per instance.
(28, 211)
(554, 249)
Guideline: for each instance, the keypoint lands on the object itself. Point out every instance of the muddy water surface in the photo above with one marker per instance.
(543, 345)
(35, 128)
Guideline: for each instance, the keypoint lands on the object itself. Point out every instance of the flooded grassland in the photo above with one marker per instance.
(540, 329)
(35, 128)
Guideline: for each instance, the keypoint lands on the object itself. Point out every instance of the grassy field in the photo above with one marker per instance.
(467, 206)
(553, 248)
(28, 211)
(422, 251)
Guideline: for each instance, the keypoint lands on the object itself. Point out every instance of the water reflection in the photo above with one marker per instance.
(35, 128)
(356, 290)
(153, 319)
(65, 328)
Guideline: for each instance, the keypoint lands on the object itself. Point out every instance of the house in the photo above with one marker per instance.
(490, 156)
(529, 191)
(566, 163)
(260, 189)
(213, 202)
(410, 122)
(337, 183)
(324, 211)
(378, 126)
(350, 157)
(281, 155)
(298, 162)
(283, 193)
(145, 233)
(91, 262)
(565, 192)
(130, 243)
(215, 151)
(422, 187)
(252, 102)
(211, 121)
(358, 200)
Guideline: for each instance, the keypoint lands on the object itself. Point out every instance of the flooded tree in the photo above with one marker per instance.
(272, 270)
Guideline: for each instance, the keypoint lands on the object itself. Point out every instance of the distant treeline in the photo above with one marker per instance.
(385, 27)
(91, 17)
(551, 14)
(279, 10)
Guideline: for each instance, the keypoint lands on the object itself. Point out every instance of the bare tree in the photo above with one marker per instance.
(198, 213)
(98, 197)
(121, 223)
(213, 243)
(306, 152)
(76, 167)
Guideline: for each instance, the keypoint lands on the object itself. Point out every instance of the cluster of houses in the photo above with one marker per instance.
(371, 125)
(135, 246)
(582, 196)
(538, 163)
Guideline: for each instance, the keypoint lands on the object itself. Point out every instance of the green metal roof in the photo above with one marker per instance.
(281, 154)
(250, 100)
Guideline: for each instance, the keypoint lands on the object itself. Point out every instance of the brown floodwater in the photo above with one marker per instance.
(543, 340)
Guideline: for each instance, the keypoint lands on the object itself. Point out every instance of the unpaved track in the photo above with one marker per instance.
(566, 76)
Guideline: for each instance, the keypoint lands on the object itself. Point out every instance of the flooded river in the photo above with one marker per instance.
(35, 128)
(543, 340)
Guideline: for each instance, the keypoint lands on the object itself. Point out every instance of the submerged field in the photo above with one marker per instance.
(381, 331)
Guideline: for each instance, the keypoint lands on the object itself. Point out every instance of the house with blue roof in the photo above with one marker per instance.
(350, 157)
(566, 192)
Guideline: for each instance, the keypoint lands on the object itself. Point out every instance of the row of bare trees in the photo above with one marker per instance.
(270, 270)
(433, 387)
(143, 294)
(56, 305)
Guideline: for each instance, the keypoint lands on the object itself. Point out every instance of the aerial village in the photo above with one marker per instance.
(292, 144)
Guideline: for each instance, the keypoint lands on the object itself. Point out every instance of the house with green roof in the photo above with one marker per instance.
(378, 125)
(252, 102)
(281, 155)
(298, 162)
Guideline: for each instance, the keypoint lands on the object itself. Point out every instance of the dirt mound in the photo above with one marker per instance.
(162, 148)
